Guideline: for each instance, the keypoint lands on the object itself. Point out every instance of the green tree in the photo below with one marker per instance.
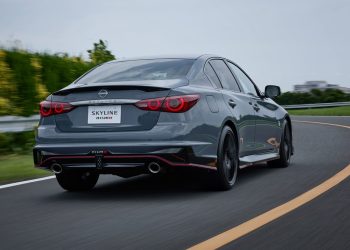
(8, 87)
(99, 54)
(23, 74)
(27, 78)
(314, 96)
(41, 90)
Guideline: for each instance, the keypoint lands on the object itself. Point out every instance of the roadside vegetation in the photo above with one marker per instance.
(16, 143)
(18, 167)
(314, 96)
(336, 111)
(26, 78)
(16, 161)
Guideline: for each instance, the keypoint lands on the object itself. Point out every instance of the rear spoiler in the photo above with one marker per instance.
(147, 86)
(67, 91)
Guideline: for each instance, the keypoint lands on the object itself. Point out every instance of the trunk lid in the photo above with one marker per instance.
(109, 107)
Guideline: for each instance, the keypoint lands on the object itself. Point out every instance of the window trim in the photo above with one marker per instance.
(224, 60)
(256, 88)
(214, 85)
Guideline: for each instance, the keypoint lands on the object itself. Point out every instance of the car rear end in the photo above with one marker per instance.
(135, 117)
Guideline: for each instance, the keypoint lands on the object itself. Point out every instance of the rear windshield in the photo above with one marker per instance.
(159, 69)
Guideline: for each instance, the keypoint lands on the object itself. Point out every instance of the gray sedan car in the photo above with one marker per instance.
(152, 115)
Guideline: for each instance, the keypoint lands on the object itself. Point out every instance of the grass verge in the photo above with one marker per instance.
(339, 111)
(18, 168)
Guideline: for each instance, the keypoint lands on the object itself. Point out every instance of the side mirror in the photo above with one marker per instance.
(272, 91)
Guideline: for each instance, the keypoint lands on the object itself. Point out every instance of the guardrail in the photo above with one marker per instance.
(316, 105)
(19, 124)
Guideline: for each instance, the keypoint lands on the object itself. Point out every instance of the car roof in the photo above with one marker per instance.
(186, 56)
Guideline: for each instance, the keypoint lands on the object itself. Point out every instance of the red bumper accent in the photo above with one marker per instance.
(157, 157)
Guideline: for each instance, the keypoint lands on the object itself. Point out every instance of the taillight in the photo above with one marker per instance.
(173, 104)
(150, 104)
(48, 108)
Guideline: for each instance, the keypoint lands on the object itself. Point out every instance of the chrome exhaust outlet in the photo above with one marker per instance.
(154, 168)
(56, 168)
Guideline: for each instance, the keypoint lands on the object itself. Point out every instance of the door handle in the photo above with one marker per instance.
(256, 107)
(231, 103)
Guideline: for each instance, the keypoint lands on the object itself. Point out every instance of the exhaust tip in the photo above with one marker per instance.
(56, 168)
(154, 168)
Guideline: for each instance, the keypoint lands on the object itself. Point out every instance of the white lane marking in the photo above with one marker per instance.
(26, 182)
(315, 116)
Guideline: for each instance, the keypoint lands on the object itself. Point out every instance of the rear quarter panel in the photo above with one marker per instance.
(202, 123)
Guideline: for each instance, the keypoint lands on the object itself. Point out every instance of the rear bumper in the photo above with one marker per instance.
(105, 158)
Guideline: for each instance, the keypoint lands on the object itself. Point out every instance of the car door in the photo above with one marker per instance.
(236, 102)
(267, 129)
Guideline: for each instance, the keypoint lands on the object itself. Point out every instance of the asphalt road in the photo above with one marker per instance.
(176, 213)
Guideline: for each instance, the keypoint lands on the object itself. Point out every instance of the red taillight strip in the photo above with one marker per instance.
(161, 159)
(48, 108)
(131, 157)
(172, 104)
(154, 104)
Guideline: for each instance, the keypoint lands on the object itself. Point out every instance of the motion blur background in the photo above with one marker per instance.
(45, 45)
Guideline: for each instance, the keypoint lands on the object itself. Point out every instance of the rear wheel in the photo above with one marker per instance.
(77, 181)
(285, 149)
(227, 160)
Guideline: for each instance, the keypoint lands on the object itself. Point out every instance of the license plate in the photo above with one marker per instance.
(104, 114)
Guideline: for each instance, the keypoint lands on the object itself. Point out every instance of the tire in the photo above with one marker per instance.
(285, 149)
(77, 181)
(227, 160)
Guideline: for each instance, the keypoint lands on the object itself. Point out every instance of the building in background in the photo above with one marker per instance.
(321, 85)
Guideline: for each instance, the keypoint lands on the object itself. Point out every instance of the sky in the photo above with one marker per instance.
(276, 42)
